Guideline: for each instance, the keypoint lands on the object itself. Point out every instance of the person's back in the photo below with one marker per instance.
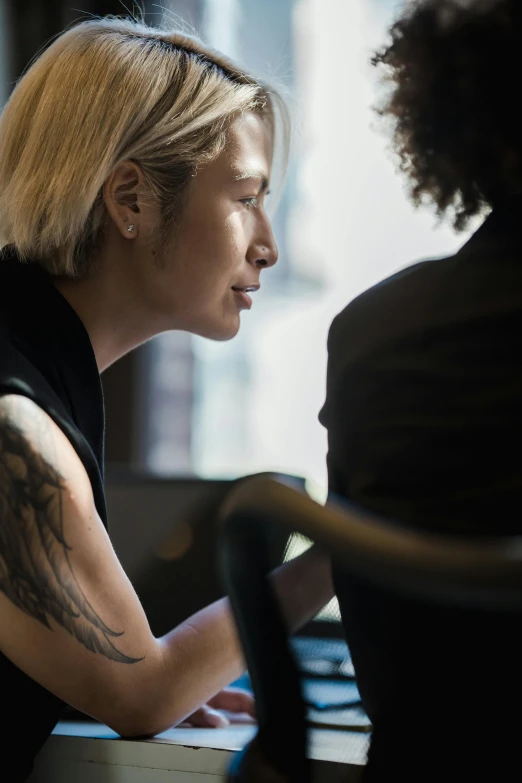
(424, 401)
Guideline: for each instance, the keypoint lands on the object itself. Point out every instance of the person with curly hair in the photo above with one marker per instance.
(424, 397)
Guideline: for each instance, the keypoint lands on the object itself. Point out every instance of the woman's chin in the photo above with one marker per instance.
(220, 331)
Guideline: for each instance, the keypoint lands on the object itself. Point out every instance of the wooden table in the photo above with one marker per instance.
(81, 752)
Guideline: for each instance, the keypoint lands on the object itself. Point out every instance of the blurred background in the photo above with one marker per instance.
(183, 406)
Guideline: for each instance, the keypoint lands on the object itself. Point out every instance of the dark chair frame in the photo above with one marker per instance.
(448, 570)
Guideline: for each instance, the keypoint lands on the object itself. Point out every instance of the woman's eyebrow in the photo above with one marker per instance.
(255, 174)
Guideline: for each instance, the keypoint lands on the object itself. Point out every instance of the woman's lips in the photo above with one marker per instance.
(243, 298)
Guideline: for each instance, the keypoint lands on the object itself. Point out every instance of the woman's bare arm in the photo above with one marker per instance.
(69, 616)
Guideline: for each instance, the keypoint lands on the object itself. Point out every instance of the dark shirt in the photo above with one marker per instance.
(46, 355)
(424, 419)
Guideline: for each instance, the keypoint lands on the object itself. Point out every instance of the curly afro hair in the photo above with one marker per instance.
(455, 68)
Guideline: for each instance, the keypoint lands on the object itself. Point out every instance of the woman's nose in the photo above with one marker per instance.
(267, 258)
(265, 254)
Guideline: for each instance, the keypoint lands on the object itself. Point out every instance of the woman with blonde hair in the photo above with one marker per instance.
(134, 167)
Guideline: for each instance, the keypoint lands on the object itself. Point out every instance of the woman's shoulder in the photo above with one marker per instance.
(31, 439)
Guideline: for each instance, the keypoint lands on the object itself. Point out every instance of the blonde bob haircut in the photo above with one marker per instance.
(108, 90)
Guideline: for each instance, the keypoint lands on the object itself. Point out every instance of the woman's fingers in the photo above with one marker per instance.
(207, 718)
(234, 700)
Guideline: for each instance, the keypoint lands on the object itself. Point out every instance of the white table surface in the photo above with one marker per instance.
(81, 752)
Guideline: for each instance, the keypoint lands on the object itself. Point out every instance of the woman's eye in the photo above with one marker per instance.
(251, 203)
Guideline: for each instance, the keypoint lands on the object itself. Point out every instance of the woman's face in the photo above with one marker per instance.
(223, 240)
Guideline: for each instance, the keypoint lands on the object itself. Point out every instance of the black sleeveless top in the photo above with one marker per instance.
(46, 355)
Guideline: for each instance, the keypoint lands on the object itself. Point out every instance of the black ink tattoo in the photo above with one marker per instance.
(35, 571)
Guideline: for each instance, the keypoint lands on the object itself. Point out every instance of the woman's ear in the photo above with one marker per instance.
(122, 195)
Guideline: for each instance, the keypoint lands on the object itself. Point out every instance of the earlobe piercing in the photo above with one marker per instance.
(130, 228)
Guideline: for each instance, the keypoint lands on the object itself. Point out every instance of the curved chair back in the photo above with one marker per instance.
(448, 570)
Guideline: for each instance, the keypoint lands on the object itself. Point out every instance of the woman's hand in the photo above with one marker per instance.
(231, 705)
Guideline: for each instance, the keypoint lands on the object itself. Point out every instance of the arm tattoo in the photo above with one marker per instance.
(35, 571)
